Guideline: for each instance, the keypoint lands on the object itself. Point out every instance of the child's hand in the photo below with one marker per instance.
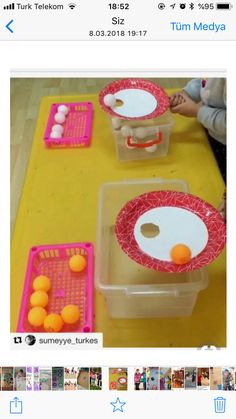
(176, 99)
(187, 107)
(222, 207)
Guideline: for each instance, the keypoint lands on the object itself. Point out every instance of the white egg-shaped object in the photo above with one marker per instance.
(126, 131)
(151, 148)
(55, 134)
(63, 109)
(141, 132)
(109, 100)
(57, 128)
(116, 122)
(60, 117)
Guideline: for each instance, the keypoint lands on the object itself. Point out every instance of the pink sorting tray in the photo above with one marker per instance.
(67, 287)
(77, 126)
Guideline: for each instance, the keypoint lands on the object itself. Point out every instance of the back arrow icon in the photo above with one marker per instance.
(8, 26)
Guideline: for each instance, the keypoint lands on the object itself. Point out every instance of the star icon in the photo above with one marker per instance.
(118, 405)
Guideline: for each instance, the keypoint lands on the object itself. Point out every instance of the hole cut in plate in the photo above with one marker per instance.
(142, 99)
(119, 103)
(180, 217)
(149, 230)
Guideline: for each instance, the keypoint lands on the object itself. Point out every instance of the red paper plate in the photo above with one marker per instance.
(156, 91)
(134, 209)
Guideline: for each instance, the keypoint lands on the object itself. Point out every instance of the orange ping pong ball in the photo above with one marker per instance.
(36, 316)
(53, 323)
(42, 283)
(180, 254)
(70, 314)
(39, 299)
(77, 263)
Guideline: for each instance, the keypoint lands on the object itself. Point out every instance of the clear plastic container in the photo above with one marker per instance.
(131, 290)
(149, 137)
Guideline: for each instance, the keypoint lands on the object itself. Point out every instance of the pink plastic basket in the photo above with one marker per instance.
(77, 126)
(67, 287)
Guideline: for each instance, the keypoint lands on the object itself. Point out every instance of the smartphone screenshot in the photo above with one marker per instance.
(117, 209)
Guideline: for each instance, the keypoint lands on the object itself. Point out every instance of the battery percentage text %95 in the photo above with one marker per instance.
(206, 6)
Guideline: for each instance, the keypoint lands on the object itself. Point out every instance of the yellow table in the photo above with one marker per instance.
(59, 204)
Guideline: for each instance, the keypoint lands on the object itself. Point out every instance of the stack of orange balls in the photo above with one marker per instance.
(38, 315)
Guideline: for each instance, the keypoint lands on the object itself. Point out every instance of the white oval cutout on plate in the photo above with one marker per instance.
(137, 103)
(176, 225)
